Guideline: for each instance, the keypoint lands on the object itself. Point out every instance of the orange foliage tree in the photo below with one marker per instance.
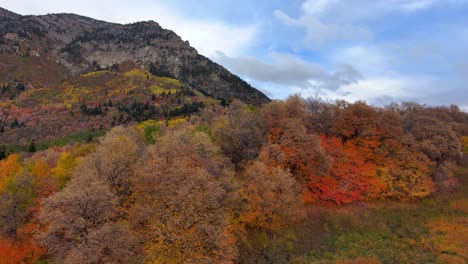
(11, 253)
(349, 178)
(19, 192)
(378, 136)
(272, 197)
(289, 145)
(9, 168)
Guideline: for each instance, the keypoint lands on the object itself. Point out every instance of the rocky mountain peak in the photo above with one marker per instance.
(5, 14)
(81, 43)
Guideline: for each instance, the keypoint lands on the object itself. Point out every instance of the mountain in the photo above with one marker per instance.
(7, 14)
(78, 44)
(58, 73)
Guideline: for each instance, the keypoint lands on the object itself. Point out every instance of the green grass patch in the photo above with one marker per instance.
(81, 137)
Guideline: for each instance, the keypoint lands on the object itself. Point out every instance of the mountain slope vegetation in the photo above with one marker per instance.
(121, 144)
(59, 72)
(289, 182)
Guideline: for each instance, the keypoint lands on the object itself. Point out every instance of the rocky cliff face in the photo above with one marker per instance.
(70, 44)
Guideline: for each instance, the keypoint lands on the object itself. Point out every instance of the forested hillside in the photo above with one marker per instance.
(65, 77)
(295, 181)
(43, 51)
(90, 103)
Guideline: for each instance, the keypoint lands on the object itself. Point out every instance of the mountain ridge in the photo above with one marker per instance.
(81, 44)
(6, 13)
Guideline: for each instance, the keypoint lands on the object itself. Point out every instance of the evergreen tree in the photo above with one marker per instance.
(32, 147)
(3, 152)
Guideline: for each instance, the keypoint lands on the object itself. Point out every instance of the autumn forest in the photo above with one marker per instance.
(121, 143)
(296, 181)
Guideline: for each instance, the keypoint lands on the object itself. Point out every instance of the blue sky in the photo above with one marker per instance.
(379, 51)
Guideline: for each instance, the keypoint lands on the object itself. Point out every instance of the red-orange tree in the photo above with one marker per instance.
(348, 178)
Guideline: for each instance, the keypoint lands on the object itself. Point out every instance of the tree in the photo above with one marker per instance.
(404, 170)
(465, 144)
(240, 133)
(15, 124)
(9, 168)
(81, 225)
(114, 160)
(291, 148)
(46, 183)
(83, 219)
(357, 120)
(406, 175)
(21, 249)
(439, 143)
(379, 138)
(3, 151)
(188, 218)
(111, 243)
(32, 147)
(272, 197)
(17, 195)
(64, 169)
(436, 139)
(348, 178)
(321, 116)
(11, 253)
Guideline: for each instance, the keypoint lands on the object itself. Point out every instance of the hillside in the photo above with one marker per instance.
(70, 44)
(91, 102)
(53, 67)
(295, 181)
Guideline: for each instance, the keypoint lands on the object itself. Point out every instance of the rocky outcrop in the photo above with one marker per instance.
(81, 44)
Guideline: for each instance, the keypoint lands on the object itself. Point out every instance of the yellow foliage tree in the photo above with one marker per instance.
(65, 167)
(465, 144)
(68, 161)
(9, 168)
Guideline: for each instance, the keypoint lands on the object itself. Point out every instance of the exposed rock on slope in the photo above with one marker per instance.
(64, 45)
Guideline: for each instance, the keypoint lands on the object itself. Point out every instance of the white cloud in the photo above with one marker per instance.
(329, 21)
(319, 33)
(367, 59)
(206, 35)
(373, 90)
(285, 19)
(209, 38)
(316, 7)
(415, 5)
(288, 70)
(319, 29)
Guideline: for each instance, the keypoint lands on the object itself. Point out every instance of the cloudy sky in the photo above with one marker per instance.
(380, 51)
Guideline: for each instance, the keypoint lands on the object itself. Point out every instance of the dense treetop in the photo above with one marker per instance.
(195, 190)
